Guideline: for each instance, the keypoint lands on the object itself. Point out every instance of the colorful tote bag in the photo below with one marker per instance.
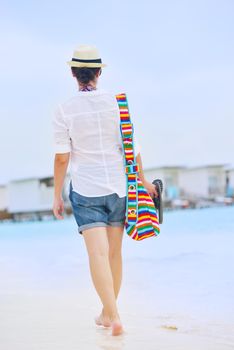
(141, 219)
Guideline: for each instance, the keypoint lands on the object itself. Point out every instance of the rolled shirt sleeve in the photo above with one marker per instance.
(61, 138)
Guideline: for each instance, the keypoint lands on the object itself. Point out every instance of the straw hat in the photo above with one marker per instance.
(86, 56)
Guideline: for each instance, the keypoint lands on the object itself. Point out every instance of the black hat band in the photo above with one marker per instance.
(98, 60)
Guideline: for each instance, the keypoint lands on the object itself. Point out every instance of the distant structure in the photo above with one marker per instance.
(32, 197)
(3, 197)
(229, 185)
(208, 181)
(4, 203)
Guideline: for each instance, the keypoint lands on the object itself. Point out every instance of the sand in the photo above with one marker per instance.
(53, 321)
(177, 290)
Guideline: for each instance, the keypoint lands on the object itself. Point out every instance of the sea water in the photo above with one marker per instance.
(182, 278)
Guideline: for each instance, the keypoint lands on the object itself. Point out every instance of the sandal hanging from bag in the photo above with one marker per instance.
(141, 219)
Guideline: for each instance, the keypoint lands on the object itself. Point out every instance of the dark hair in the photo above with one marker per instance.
(85, 74)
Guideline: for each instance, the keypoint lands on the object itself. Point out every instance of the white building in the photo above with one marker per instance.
(230, 181)
(3, 198)
(32, 194)
(205, 181)
(29, 195)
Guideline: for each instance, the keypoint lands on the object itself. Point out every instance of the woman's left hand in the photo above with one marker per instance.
(150, 188)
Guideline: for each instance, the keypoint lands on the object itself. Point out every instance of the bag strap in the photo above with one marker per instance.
(131, 167)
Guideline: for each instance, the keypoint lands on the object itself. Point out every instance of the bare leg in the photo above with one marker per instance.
(115, 236)
(98, 250)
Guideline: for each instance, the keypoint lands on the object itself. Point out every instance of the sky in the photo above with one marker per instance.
(174, 59)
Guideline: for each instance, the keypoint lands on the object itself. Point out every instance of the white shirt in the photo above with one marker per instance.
(88, 126)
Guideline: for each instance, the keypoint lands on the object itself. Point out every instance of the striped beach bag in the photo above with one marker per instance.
(141, 219)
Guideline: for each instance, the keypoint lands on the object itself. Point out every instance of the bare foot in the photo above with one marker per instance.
(102, 320)
(117, 327)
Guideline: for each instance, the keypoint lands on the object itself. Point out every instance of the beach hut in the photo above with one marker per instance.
(206, 181)
(30, 194)
(33, 194)
(230, 181)
(4, 203)
(3, 197)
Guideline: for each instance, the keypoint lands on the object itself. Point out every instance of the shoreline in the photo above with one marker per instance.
(33, 217)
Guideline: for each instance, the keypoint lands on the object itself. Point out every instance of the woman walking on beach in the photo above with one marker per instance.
(87, 133)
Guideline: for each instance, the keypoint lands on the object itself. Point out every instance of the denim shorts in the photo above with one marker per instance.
(97, 211)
